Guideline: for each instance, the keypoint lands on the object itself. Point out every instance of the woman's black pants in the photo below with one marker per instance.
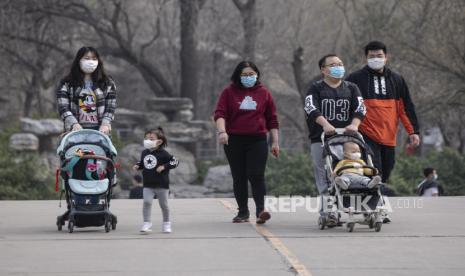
(247, 157)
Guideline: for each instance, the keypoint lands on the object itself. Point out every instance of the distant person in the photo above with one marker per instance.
(86, 97)
(330, 103)
(429, 186)
(155, 163)
(388, 101)
(245, 113)
(137, 189)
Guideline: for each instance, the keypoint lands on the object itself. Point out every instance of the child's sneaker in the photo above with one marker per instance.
(166, 228)
(263, 217)
(373, 182)
(146, 227)
(341, 183)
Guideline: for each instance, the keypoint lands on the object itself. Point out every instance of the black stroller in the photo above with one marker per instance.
(357, 200)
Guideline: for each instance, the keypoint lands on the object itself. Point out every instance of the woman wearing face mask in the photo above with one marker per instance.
(87, 96)
(330, 103)
(245, 113)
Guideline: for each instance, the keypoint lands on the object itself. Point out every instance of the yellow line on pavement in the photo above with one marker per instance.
(277, 244)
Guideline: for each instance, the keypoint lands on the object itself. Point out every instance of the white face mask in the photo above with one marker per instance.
(151, 144)
(355, 156)
(376, 63)
(88, 66)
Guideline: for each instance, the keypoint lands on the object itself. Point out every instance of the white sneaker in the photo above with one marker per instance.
(375, 181)
(146, 227)
(341, 183)
(166, 227)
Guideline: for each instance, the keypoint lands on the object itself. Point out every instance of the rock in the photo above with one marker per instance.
(189, 132)
(219, 179)
(24, 142)
(131, 125)
(293, 129)
(185, 173)
(169, 104)
(44, 127)
(50, 160)
(183, 116)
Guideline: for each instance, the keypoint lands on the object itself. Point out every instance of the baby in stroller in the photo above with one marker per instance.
(354, 184)
(351, 170)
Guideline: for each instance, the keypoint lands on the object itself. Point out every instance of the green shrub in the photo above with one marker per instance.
(449, 164)
(21, 175)
(290, 175)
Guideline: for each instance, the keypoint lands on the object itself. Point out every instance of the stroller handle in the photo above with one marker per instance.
(338, 131)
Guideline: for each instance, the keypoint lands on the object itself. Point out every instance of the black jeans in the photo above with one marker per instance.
(384, 158)
(247, 157)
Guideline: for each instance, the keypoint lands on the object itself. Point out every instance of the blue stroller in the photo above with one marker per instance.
(88, 176)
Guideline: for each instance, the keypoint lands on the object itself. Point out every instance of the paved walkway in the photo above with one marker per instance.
(421, 241)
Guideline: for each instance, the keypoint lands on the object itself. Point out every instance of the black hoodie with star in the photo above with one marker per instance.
(150, 160)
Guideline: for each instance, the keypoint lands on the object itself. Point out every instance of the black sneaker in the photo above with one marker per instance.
(263, 217)
(242, 216)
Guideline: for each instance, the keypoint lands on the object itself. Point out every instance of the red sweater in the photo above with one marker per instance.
(247, 111)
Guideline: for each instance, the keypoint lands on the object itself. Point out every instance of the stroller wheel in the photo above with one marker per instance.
(59, 223)
(378, 226)
(322, 222)
(114, 221)
(371, 222)
(107, 226)
(350, 226)
(71, 226)
(113, 224)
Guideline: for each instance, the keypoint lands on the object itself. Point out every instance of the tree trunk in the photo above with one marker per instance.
(248, 12)
(298, 68)
(190, 65)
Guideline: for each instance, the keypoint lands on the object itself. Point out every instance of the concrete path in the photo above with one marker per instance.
(421, 241)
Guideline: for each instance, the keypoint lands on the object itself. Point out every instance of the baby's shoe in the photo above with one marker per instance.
(341, 183)
(373, 182)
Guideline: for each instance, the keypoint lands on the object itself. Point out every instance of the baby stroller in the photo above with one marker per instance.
(361, 204)
(88, 176)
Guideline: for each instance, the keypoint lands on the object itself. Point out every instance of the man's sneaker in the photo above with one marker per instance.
(386, 219)
(166, 228)
(374, 182)
(242, 216)
(341, 183)
(146, 227)
(263, 217)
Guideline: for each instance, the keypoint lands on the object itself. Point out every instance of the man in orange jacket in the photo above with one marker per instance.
(387, 98)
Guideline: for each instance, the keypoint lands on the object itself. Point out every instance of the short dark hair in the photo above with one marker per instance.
(374, 46)
(428, 171)
(236, 75)
(322, 61)
(137, 178)
(160, 135)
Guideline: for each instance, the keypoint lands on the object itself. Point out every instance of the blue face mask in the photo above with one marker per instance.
(249, 81)
(337, 72)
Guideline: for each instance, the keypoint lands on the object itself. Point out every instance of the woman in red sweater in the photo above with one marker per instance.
(244, 114)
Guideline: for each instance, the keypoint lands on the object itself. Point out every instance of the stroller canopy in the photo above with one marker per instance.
(86, 136)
